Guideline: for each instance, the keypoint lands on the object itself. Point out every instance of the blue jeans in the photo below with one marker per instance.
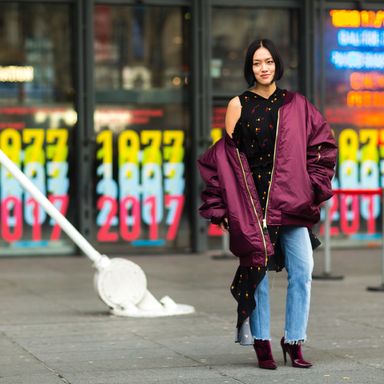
(297, 249)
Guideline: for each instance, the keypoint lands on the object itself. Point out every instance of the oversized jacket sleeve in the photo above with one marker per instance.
(213, 207)
(321, 155)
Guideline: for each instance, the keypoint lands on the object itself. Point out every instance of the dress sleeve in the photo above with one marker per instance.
(321, 155)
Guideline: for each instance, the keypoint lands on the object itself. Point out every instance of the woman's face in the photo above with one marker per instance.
(263, 66)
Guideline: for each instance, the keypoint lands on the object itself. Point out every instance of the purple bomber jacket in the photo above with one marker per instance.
(303, 168)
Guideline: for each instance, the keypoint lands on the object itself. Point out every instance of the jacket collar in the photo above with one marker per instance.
(228, 139)
(288, 97)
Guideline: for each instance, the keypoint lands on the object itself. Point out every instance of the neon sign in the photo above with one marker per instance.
(355, 90)
(357, 60)
(16, 74)
(360, 38)
(370, 80)
(355, 19)
(365, 99)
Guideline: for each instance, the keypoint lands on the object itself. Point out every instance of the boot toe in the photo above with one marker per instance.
(298, 363)
(268, 364)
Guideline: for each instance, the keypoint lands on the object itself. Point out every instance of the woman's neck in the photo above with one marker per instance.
(265, 90)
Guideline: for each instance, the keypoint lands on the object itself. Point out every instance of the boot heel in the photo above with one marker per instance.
(284, 352)
(295, 354)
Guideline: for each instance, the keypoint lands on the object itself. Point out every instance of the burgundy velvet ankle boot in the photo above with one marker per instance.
(264, 354)
(294, 352)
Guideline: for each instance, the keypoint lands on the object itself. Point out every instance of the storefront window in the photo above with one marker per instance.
(141, 126)
(37, 118)
(354, 105)
(232, 32)
(234, 29)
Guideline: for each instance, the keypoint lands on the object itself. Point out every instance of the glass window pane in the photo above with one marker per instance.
(37, 118)
(354, 106)
(233, 30)
(141, 124)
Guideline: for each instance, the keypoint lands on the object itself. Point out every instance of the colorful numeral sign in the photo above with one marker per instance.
(42, 155)
(144, 201)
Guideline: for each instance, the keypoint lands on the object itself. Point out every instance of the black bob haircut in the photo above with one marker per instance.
(248, 64)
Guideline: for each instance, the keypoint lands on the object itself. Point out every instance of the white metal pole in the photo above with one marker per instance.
(225, 243)
(66, 226)
(327, 240)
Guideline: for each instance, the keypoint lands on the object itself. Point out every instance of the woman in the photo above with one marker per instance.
(264, 182)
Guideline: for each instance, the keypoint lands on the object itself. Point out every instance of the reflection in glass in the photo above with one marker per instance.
(234, 29)
(38, 37)
(140, 48)
(141, 122)
(354, 106)
(232, 32)
(36, 122)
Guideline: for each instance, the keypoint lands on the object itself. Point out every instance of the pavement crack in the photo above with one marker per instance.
(52, 370)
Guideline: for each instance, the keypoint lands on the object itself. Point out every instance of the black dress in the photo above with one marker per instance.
(255, 135)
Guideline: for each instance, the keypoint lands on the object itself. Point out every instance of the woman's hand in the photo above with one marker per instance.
(224, 225)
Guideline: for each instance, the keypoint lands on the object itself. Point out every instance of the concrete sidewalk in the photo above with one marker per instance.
(54, 329)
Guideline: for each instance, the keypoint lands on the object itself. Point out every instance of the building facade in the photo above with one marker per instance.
(106, 106)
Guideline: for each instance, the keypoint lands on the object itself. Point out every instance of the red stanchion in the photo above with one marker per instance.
(373, 191)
